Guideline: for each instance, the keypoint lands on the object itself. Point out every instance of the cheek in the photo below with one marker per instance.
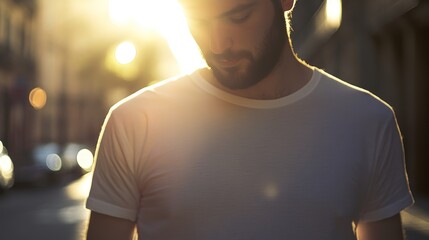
(254, 31)
(250, 38)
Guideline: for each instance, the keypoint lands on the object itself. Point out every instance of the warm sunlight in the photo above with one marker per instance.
(164, 16)
(79, 189)
(119, 11)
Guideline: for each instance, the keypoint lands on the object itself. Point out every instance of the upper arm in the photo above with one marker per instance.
(388, 229)
(104, 227)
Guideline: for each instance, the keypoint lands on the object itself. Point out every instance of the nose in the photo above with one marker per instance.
(220, 39)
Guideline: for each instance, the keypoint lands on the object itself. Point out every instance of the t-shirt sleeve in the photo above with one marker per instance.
(114, 189)
(388, 191)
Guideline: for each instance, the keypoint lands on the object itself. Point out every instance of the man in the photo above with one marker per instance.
(257, 146)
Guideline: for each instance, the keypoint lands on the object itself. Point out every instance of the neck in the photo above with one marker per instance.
(288, 76)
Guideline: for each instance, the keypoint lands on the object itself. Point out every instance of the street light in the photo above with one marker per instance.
(333, 12)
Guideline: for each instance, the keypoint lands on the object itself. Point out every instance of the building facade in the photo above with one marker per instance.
(381, 46)
(55, 85)
(17, 74)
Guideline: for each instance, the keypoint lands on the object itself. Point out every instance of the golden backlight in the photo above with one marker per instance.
(164, 16)
(79, 190)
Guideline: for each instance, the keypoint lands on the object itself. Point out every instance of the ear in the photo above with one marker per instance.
(287, 5)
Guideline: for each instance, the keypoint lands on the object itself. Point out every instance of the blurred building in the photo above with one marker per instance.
(75, 42)
(62, 39)
(55, 83)
(17, 73)
(381, 46)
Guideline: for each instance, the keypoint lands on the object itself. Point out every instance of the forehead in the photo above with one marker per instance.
(211, 8)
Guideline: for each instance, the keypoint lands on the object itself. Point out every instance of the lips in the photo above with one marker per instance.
(228, 63)
(229, 60)
(224, 62)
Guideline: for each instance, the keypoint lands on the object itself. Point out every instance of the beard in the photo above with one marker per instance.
(259, 65)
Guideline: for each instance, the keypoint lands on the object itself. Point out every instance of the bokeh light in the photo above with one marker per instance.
(37, 98)
(85, 159)
(6, 166)
(333, 13)
(125, 52)
(53, 161)
(271, 191)
(126, 72)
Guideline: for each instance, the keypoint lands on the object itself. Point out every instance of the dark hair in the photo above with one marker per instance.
(278, 4)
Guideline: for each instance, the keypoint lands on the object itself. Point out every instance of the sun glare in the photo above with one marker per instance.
(119, 11)
(166, 17)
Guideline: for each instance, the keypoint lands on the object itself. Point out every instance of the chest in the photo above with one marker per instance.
(261, 168)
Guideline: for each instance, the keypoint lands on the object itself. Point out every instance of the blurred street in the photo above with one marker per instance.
(58, 212)
(63, 64)
(55, 212)
(416, 220)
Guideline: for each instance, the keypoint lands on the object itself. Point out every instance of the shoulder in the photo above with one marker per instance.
(152, 93)
(348, 96)
(156, 106)
(154, 98)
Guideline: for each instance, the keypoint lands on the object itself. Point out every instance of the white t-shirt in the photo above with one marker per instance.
(186, 160)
